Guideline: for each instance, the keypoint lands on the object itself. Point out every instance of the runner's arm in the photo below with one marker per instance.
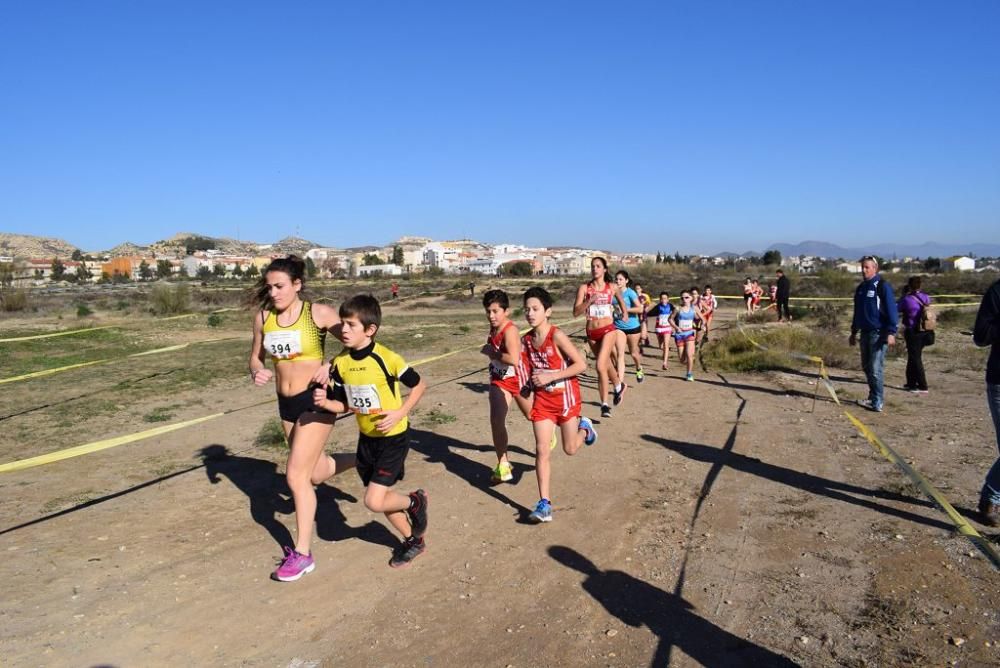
(581, 304)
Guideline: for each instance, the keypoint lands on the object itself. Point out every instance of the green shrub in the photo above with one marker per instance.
(435, 416)
(170, 300)
(735, 352)
(14, 300)
(271, 435)
(82, 311)
(214, 320)
(160, 414)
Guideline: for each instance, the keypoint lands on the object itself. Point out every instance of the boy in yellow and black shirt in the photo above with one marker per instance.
(366, 378)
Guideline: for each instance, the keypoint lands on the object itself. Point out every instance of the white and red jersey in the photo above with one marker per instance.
(601, 305)
(558, 399)
(509, 376)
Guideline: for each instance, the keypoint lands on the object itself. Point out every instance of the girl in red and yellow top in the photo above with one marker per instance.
(291, 332)
(596, 299)
(553, 364)
(507, 376)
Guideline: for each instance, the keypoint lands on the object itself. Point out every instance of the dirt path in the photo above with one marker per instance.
(722, 522)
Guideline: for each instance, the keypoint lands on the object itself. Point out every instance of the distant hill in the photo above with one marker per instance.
(295, 245)
(28, 246)
(887, 250)
(127, 248)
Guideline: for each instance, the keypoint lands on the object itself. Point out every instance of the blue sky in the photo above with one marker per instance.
(691, 126)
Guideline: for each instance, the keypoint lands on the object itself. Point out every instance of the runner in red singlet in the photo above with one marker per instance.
(595, 300)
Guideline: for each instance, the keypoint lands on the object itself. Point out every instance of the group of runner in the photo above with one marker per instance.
(538, 371)
(753, 293)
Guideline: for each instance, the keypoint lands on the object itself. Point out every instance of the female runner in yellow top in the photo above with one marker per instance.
(292, 332)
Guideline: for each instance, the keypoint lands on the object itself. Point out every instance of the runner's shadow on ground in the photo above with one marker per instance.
(668, 616)
(440, 449)
(820, 396)
(833, 489)
(268, 493)
(478, 388)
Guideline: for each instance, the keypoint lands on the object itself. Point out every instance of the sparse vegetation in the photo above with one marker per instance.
(435, 416)
(271, 435)
(736, 353)
(170, 299)
(160, 414)
(14, 300)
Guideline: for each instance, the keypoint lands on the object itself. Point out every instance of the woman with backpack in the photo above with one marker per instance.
(913, 307)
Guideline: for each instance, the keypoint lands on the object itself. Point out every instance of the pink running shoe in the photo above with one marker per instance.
(294, 566)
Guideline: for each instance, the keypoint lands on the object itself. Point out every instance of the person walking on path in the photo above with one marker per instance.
(874, 324)
(784, 292)
(986, 332)
(910, 306)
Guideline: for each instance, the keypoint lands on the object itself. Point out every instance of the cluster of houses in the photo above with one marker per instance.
(408, 255)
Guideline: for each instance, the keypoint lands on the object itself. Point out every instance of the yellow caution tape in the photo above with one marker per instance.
(47, 372)
(131, 438)
(97, 446)
(65, 333)
(195, 315)
(961, 524)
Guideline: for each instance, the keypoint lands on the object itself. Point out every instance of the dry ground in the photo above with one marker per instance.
(730, 521)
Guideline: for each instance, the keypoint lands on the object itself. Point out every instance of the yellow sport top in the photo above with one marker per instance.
(302, 340)
(368, 381)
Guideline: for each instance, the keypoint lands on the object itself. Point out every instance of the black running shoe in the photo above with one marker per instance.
(620, 393)
(418, 512)
(605, 411)
(404, 554)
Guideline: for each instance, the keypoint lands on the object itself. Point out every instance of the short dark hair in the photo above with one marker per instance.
(496, 297)
(780, 272)
(541, 294)
(363, 307)
(665, 294)
(708, 286)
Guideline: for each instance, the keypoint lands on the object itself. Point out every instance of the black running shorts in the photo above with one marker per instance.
(381, 459)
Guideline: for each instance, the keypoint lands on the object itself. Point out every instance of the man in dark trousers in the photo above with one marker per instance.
(784, 292)
(987, 333)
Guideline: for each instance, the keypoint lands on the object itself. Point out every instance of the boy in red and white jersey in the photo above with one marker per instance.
(553, 364)
(507, 376)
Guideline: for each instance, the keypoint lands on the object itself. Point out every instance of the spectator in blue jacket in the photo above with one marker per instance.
(986, 332)
(874, 324)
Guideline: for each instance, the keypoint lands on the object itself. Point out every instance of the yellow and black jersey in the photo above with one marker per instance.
(302, 340)
(367, 381)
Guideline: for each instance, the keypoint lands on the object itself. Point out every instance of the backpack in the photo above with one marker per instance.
(927, 318)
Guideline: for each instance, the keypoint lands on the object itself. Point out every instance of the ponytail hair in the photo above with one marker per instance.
(293, 266)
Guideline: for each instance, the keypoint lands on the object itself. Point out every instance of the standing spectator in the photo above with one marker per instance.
(472, 289)
(987, 333)
(784, 292)
(910, 306)
(875, 318)
(395, 290)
